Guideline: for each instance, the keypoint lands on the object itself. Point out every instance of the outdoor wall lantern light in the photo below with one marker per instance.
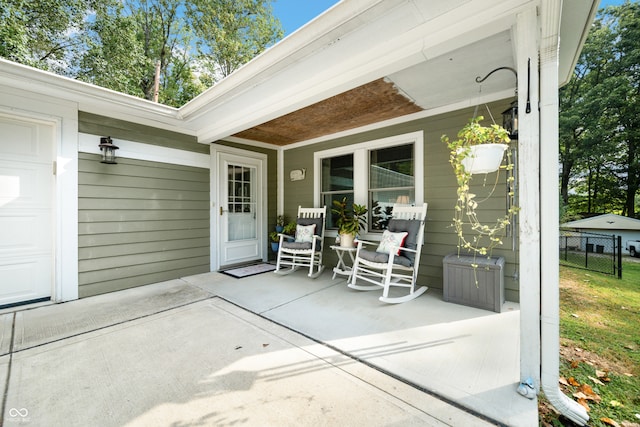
(510, 120)
(108, 150)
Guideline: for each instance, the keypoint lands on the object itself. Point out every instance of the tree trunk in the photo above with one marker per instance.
(633, 179)
(564, 180)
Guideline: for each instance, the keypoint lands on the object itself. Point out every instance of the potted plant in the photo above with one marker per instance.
(280, 220)
(275, 241)
(475, 237)
(478, 149)
(290, 228)
(349, 222)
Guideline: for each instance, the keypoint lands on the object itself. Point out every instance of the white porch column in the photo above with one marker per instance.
(280, 181)
(529, 194)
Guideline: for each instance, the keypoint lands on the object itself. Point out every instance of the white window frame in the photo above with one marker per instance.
(360, 153)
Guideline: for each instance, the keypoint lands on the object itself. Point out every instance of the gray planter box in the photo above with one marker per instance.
(459, 281)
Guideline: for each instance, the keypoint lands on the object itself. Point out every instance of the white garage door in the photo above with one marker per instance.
(26, 214)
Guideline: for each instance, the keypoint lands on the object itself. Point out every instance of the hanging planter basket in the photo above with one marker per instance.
(484, 158)
(479, 149)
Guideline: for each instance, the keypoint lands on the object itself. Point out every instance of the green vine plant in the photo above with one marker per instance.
(474, 237)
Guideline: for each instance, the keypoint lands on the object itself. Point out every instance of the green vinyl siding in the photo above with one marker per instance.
(140, 222)
(439, 192)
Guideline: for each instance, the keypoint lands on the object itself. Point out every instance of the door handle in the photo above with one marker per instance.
(221, 210)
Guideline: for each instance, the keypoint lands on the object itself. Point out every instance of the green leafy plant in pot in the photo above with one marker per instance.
(349, 222)
(275, 241)
(290, 228)
(474, 237)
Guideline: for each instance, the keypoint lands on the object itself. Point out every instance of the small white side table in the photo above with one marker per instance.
(341, 268)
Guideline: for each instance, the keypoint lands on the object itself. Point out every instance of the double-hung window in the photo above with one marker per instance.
(391, 180)
(337, 183)
(375, 173)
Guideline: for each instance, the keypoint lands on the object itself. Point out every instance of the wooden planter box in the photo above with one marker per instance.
(459, 281)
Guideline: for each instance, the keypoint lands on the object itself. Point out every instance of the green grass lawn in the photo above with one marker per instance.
(600, 344)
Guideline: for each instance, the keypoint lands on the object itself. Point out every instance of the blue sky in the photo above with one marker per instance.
(293, 14)
(605, 3)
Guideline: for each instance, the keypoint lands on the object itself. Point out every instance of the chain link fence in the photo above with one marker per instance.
(590, 251)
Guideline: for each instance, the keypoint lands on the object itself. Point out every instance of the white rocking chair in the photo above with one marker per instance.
(398, 267)
(306, 249)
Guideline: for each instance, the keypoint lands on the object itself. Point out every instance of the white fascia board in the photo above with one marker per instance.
(88, 143)
(91, 98)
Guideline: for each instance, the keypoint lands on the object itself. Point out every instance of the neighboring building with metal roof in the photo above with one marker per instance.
(628, 228)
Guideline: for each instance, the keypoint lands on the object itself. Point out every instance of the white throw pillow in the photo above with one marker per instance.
(304, 233)
(391, 241)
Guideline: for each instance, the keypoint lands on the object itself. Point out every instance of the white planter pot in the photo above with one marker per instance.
(484, 158)
(346, 240)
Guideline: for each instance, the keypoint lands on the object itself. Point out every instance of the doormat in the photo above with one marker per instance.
(249, 270)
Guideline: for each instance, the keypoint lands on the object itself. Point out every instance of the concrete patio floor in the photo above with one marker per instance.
(467, 356)
(214, 350)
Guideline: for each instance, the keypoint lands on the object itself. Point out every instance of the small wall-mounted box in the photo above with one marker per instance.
(459, 281)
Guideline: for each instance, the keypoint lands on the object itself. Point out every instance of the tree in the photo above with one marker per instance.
(232, 32)
(43, 33)
(113, 57)
(626, 81)
(118, 43)
(599, 117)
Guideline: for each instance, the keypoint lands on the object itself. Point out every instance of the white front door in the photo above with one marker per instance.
(26, 210)
(240, 209)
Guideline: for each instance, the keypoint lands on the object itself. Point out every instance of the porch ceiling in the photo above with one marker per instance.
(432, 83)
(370, 103)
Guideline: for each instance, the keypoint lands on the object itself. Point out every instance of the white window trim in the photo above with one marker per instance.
(360, 174)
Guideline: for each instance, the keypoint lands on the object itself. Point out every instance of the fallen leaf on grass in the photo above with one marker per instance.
(628, 374)
(609, 421)
(575, 315)
(574, 364)
(582, 396)
(585, 391)
(603, 376)
(563, 381)
(573, 382)
(584, 404)
(597, 381)
(615, 403)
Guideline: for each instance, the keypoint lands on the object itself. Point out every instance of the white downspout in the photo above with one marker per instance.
(549, 208)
